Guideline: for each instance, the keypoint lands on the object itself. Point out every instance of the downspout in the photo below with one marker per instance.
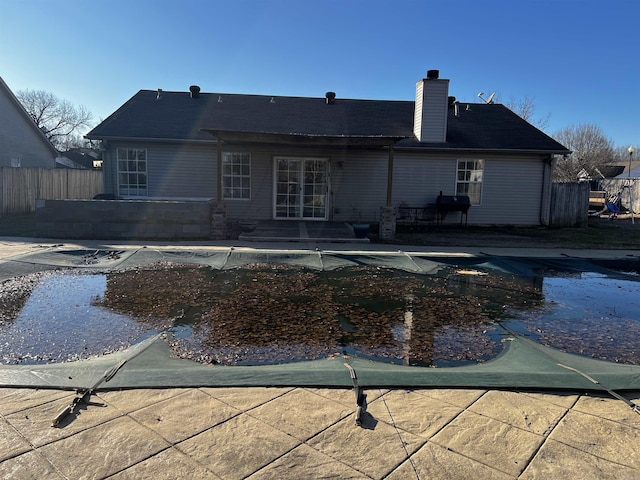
(390, 176)
(219, 169)
(545, 201)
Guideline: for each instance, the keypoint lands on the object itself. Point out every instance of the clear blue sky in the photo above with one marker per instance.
(579, 60)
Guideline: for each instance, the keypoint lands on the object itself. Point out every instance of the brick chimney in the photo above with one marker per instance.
(430, 119)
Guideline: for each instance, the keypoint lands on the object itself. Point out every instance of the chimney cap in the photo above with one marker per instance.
(433, 74)
(330, 96)
(195, 91)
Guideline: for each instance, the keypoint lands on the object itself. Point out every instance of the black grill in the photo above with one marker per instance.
(453, 203)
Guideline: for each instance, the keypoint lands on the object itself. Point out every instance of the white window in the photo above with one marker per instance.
(469, 181)
(236, 175)
(132, 172)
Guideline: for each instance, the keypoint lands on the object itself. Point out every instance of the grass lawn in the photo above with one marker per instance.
(599, 234)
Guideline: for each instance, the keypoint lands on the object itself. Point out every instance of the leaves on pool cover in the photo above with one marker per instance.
(273, 313)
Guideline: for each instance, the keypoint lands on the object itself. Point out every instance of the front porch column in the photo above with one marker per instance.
(388, 212)
(218, 220)
(387, 223)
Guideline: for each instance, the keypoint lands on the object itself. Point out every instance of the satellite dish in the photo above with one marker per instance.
(488, 100)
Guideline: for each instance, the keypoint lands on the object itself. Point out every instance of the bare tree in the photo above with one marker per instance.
(621, 153)
(590, 147)
(60, 120)
(525, 108)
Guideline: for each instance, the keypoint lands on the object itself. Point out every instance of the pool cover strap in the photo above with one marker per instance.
(361, 397)
(633, 406)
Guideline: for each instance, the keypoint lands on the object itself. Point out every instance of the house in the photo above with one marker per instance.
(22, 143)
(328, 158)
(79, 158)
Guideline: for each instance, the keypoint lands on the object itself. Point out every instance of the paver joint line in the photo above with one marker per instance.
(402, 442)
(547, 435)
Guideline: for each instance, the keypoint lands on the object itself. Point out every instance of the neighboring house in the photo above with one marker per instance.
(82, 158)
(633, 173)
(22, 143)
(328, 159)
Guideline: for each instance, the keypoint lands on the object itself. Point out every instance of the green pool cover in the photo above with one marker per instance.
(522, 364)
(149, 364)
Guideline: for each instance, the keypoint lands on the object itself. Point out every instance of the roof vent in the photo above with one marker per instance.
(433, 74)
(331, 97)
(195, 91)
(159, 96)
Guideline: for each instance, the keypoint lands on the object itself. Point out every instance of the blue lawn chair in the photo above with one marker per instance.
(614, 210)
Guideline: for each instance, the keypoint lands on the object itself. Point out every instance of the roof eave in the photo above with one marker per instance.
(147, 139)
(449, 149)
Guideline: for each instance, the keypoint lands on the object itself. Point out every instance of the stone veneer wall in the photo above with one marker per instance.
(129, 219)
(387, 223)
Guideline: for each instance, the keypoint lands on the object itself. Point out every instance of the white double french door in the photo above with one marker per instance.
(301, 187)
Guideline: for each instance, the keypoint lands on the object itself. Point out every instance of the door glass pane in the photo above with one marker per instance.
(296, 200)
(288, 188)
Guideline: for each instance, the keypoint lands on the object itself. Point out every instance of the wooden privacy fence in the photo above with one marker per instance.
(21, 187)
(569, 204)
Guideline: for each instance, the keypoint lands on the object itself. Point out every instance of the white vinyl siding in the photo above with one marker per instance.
(511, 187)
(358, 185)
(174, 171)
(20, 141)
(512, 192)
(417, 180)
(430, 114)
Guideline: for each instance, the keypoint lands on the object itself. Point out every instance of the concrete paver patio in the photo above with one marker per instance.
(258, 433)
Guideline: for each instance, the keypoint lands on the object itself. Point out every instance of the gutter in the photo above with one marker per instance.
(485, 151)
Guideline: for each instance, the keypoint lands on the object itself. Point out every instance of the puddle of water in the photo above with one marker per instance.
(60, 321)
(591, 314)
(269, 314)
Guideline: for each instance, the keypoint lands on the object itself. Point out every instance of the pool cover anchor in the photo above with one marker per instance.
(82, 397)
(361, 397)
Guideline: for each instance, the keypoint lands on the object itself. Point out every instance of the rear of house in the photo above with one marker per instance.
(327, 158)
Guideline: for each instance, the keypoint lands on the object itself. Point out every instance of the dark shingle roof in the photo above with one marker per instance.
(177, 116)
